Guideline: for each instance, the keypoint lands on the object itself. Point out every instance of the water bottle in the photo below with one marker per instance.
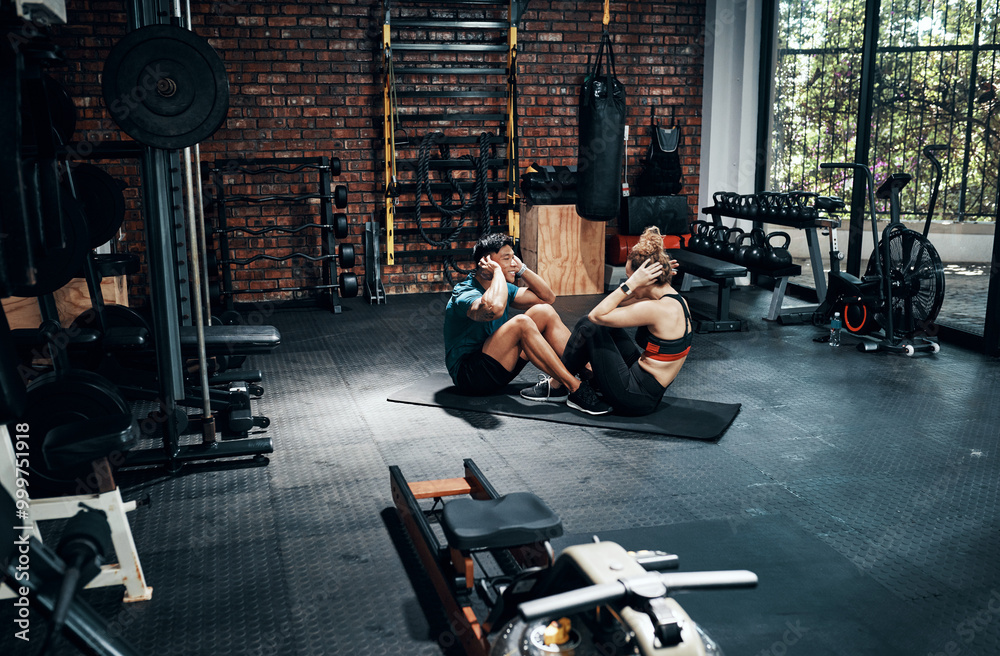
(835, 330)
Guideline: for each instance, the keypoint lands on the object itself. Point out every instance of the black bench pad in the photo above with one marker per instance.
(707, 267)
(513, 519)
(226, 340)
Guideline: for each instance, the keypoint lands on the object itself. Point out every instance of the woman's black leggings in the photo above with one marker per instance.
(614, 357)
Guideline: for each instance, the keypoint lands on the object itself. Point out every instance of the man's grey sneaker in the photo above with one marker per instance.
(542, 391)
(585, 399)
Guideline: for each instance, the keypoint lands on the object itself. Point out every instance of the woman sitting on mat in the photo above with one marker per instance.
(630, 380)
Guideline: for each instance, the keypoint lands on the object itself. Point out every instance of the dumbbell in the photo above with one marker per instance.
(348, 285)
(346, 256)
(340, 229)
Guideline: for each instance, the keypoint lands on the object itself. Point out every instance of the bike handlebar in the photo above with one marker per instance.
(595, 595)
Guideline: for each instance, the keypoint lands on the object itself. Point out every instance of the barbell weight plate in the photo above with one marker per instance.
(103, 202)
(56, 266)
(231, 318)
(348, 285)
(55, 400)
(346, 256)
(335, 166)
(340, 228)
(61, 111)
(166, 87)
(214, 291)
(340, 196)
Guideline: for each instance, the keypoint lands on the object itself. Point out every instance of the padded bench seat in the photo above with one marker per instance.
(724, 274)
(229, 340)
(513, 519)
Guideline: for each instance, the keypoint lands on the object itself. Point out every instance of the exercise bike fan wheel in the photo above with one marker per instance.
(916, 276)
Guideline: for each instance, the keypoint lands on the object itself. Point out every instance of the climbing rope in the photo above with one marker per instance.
(449, 211)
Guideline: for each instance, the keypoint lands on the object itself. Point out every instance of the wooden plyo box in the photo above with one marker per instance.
(564, 248)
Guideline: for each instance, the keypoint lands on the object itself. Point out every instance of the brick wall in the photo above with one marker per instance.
(303, 83)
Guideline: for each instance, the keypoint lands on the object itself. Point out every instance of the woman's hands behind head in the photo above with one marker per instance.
(647, 274)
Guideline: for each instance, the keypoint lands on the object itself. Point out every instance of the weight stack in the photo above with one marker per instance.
(670, 214)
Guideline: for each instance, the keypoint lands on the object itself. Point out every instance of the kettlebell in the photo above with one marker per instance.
(710, 239)
(742, 248)
(697, 242)
(754, 255)
(778, 256)
(718, 249)
(732, 249)
(806, 205)
(784, 206)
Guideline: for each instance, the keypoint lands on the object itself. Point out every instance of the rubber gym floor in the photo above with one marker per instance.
(862, 488)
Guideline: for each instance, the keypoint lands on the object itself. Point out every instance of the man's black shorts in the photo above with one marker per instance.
(481, 375)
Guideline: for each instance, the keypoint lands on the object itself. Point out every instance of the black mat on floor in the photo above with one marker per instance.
(809, 600)
(699, 420)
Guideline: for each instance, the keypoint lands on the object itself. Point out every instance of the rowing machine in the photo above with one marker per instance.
(592, 598)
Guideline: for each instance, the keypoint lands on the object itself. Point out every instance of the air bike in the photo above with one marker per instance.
(506, 593)
(903, 287)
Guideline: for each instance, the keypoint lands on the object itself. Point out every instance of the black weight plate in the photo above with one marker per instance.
(346, 256)
(340, 196)
(166, 87)
(214, 291)
(55, 400)
(348, 285)
(116, 264)
(340, 225)
(335, 166)
(120, 316)
(231, 318)
(57, 266)
(103, 202)
(62, 111)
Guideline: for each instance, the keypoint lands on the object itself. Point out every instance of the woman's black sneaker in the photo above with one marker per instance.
(585, 399)
(542, 391)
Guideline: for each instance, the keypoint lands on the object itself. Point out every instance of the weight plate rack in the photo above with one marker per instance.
(246, 236)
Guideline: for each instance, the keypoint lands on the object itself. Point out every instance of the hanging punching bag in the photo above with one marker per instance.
(602, 139)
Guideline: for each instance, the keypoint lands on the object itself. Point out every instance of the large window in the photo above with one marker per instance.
(935, 83)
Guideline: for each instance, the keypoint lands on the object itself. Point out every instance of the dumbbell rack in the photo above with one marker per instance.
(331, 226)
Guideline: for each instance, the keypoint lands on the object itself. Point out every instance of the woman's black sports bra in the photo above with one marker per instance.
(666, 350)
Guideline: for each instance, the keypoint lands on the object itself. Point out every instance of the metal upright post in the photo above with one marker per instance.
(329, 240)
(162, 271)
(862, 146)
(991, 329)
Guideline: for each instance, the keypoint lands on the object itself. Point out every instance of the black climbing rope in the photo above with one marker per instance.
(449, 211)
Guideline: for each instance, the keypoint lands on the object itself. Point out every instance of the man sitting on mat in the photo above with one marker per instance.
(486, 347)
(633, 381)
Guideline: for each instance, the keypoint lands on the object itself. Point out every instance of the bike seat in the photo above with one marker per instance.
(513, 519)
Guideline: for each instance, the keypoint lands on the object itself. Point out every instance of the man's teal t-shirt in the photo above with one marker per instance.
(462, 335)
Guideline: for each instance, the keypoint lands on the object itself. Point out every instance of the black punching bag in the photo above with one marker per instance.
(602, 139)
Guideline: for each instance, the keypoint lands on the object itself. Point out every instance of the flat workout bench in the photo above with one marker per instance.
(724, 275)
(230, 340)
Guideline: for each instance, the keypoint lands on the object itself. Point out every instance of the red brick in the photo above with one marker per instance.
(303, 84)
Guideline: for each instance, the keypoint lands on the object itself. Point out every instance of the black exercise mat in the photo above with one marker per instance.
(809, 600)
(699, 420)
